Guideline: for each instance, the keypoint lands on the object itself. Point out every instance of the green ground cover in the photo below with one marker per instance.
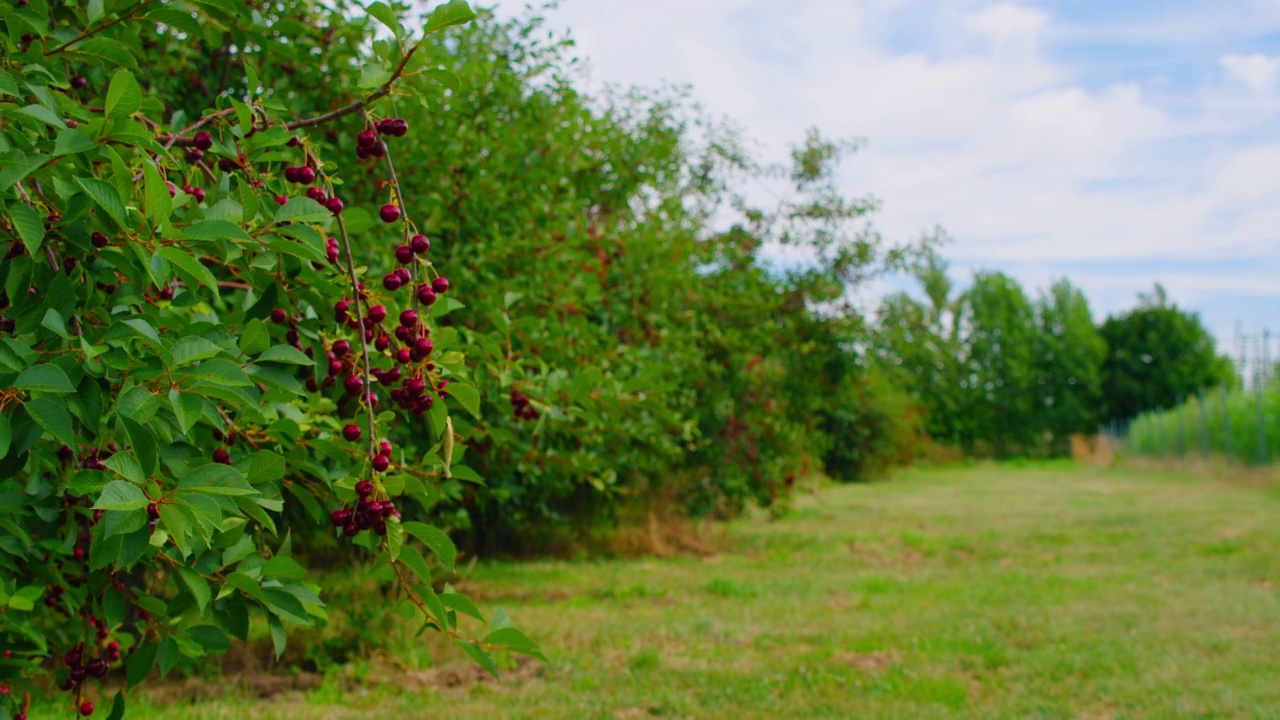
(1011, 591)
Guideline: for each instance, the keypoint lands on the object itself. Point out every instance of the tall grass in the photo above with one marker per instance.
(1243, 426)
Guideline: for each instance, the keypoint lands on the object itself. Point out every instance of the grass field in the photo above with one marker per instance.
(1038, 591)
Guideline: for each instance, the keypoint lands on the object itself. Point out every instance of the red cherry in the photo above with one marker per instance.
(424, 346)
(381, 463)
(389, 213)
(306, 175)
(86, 708)
(291, 174)
(334, 205)
(316, 194)
(341, 348)
(222, 456)
(279, 316)
(366, 139)
(426, 295)
(353, 384)
(78, 82)
(384, 447)
(338, 518)
(382, 343)
(281, 199)
(99, 240)
(203, 140)
(351, 530)
(403, 356)
(351, 432)
(440, 285)
(364, 488)
(404, 254)
(378, 313)
(420, 244)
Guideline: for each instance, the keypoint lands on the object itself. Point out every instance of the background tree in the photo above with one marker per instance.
(1069, 352)
(1157, 354)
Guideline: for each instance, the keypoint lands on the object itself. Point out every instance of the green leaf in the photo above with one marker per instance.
(124, 97)
(30, 226)
(373, 75)
(44, 378)
(94, 13)
(514, 640)
(455, 12)
(198, 585)
(187, 408)
(284, 569)
(443, 77)
(279, 637)
(54, 323)
(6, 436)
(168, 655)
(141, 662)
(265, 466)
(286, 354)
(43, 114)
(104, 195)
(412, 559)
(117, 707)
(159, 204)
(218, 230)
(302, 209)
(438, 542)
(189, 266)
(120, 495)
(54, 418)
(24, 600)
(462, 604)
(71, 141)
(387, 17)
(477, 654)
(254, 338)
(467, 396)
(286, 606)
(126, 464)
(143, 443)
(193, 349)
(216, 479)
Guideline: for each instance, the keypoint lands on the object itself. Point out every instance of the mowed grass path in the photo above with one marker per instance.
(1044, 591)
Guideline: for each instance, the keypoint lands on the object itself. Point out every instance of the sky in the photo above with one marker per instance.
(1114, 142)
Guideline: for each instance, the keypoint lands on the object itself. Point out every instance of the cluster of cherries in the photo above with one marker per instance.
(367, 145)
(368, 514)
(99, 667)
(301, 175)
(522, 406)
(202, 142)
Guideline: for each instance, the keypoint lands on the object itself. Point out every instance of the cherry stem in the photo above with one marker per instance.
(404, 211)
(364, 344)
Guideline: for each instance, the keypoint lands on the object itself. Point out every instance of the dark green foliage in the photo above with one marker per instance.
(1157, 355)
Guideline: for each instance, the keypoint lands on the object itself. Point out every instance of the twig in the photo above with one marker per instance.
(95, 31)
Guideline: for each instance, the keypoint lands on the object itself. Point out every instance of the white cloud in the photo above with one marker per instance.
(1257, 71)
(975, 122)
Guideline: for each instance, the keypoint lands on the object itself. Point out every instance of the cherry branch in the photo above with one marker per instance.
(364, 343)
(94, 31)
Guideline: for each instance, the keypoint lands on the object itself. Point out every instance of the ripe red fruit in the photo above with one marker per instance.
(99, 240)
(440, 285)
(281, 199)
(226, 164)
(291, 174)
(424, 346)
(341, 348)
(351, 529)
(338, 518)
(378, 313)
(389, 213)
(203, 140)
(294, 141)
(99, 668)
(353, 384)
(366, 139)
(403, 356)
(399, 127)
(334, 205)
(382, 343)
(316, 194)
(384, 447)
(222, 456)
(364, 488)
(279, 316)
(391, 281)
(86, 708)
(351, 432)
(420, 244)
(381, 463)
(153, 511)
(404, 254)
(79, 82)
(408, 318)
(195, 155)
(340, 309)
(306, 175)
(73, 658)
(426, 295)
